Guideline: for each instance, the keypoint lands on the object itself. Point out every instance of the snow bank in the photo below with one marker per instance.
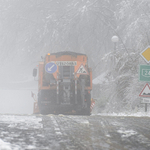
(100, 79)
(138, 114)
(21, 122)
(8, 146)
(4, 145)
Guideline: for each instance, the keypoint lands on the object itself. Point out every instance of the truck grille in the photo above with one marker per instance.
(66, 71)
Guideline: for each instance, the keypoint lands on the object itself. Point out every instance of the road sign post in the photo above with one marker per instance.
(144, 75)
(146, 94)
(145, 107)
(146, 102)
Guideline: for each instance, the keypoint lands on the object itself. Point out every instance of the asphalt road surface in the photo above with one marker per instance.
(51, 132)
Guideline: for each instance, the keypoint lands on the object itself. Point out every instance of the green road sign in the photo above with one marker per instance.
(144, 73)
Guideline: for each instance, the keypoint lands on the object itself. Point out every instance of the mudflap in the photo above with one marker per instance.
(46, 107)
(64, 109)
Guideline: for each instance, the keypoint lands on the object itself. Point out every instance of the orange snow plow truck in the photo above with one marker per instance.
(64, 84)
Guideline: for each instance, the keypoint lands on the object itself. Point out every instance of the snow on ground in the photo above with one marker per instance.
(4, 145)
(138, 114)
(100, 79)
(126, 133)
(8, 146)
(22, 122)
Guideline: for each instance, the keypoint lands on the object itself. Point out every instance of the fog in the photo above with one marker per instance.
(16, 102)
(16, 97)
(30, 29)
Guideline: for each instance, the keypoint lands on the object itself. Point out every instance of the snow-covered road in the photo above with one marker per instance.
(19, 132)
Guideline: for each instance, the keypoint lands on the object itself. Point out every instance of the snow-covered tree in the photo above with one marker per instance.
(119, 87)
(133, 19)
(33, 28)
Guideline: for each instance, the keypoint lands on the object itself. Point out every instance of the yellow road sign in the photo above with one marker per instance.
(146, 54)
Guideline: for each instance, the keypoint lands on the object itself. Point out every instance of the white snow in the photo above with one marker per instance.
(85, 123)
(58, 133)
(81, 121)
(31, 147)
(100, 79)
(126, 133)
(138, 114)
(21, 122)
(56, 127)
(4, 145)
(8, 146)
